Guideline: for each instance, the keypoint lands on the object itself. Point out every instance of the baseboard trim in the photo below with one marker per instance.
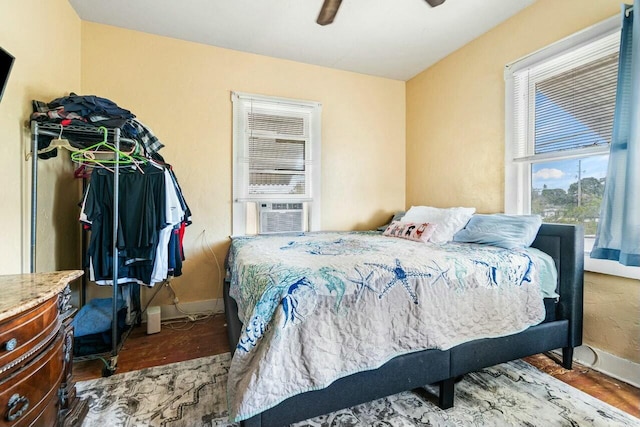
(607, 363)
(169, 312)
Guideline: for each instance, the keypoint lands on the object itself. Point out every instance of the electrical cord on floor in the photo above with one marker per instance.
(190, 318)
(558, 358)
(596, 358)
(181, 324)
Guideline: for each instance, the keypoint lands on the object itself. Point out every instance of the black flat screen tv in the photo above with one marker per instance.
(6, 62)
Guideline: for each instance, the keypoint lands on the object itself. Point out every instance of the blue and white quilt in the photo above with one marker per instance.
(319, 306)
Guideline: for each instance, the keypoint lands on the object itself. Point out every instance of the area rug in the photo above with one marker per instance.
(193, 394)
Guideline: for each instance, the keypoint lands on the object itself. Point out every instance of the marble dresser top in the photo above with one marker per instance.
(20, 292)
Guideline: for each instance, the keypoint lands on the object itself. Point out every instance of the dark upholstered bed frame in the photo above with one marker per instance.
(562, 328)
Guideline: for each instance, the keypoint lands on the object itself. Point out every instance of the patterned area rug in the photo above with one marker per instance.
(193, 393)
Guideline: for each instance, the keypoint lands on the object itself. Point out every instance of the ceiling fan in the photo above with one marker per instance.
(330, 8)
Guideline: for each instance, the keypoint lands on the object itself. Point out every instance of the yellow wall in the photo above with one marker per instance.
(612, 314)
(454, 135)
(182, 91)
(44, 37)
(455, 143)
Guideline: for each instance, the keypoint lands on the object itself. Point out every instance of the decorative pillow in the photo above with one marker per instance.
(396, 217)
(419, 232)
(449, 221)
(505, 231)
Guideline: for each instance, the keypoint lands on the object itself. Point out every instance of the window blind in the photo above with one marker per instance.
(276, 166)
(567, 102)
(274, 154)
(276, 157)
(272, 123)
(575, 109)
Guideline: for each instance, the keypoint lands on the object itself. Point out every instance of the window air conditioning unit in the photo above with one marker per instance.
(281, 217)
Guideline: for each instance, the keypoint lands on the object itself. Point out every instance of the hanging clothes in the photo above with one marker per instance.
(151, 206)
(174, 215)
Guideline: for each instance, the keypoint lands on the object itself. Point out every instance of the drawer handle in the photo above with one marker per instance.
(11, 344)
(15, 401)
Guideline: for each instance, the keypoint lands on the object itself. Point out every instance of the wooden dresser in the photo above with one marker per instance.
(36, 351)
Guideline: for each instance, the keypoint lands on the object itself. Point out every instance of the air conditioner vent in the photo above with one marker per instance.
(281, 217)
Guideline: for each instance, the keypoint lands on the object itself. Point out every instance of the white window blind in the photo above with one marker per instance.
(275, 158)
(278, 145)
(564, 105)
(276, 150)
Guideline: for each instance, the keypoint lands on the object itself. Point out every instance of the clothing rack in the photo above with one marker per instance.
(113, 136)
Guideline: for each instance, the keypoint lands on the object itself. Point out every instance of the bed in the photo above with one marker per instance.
(553, 322)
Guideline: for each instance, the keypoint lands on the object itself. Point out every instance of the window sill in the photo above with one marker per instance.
(609, 267)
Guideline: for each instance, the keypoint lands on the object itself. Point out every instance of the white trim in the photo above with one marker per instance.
(296, 103)
(517, 174)
(274, 199)
(606, 266)
(238, 220)
(512, 197)
(168, 312)
(312, 198)
(612, 268)
(607, 363)
(574, 41)
(564, 155)
(316, 168)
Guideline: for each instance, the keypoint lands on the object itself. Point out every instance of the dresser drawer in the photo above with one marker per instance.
(21, 336)
(47, 417)
(32, 389)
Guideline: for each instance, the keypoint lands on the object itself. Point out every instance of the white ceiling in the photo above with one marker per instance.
(388, 38)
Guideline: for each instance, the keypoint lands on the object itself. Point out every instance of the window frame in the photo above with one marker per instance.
(242, 201)
(517, 189)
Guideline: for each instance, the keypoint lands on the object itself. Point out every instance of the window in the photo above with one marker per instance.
(560, 104)
(276, 170)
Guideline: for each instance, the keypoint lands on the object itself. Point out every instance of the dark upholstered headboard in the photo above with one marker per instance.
(565, 244)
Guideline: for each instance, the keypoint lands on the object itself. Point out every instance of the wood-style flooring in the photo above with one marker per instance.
(208, 337)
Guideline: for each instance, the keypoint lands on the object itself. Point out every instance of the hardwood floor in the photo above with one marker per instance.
(208, 337)
(616, 393)
(204, 338)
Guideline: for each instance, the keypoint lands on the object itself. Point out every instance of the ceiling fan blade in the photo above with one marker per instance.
(328, 11)
(434, 3)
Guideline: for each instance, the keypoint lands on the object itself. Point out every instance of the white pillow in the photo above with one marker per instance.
(449, 221)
